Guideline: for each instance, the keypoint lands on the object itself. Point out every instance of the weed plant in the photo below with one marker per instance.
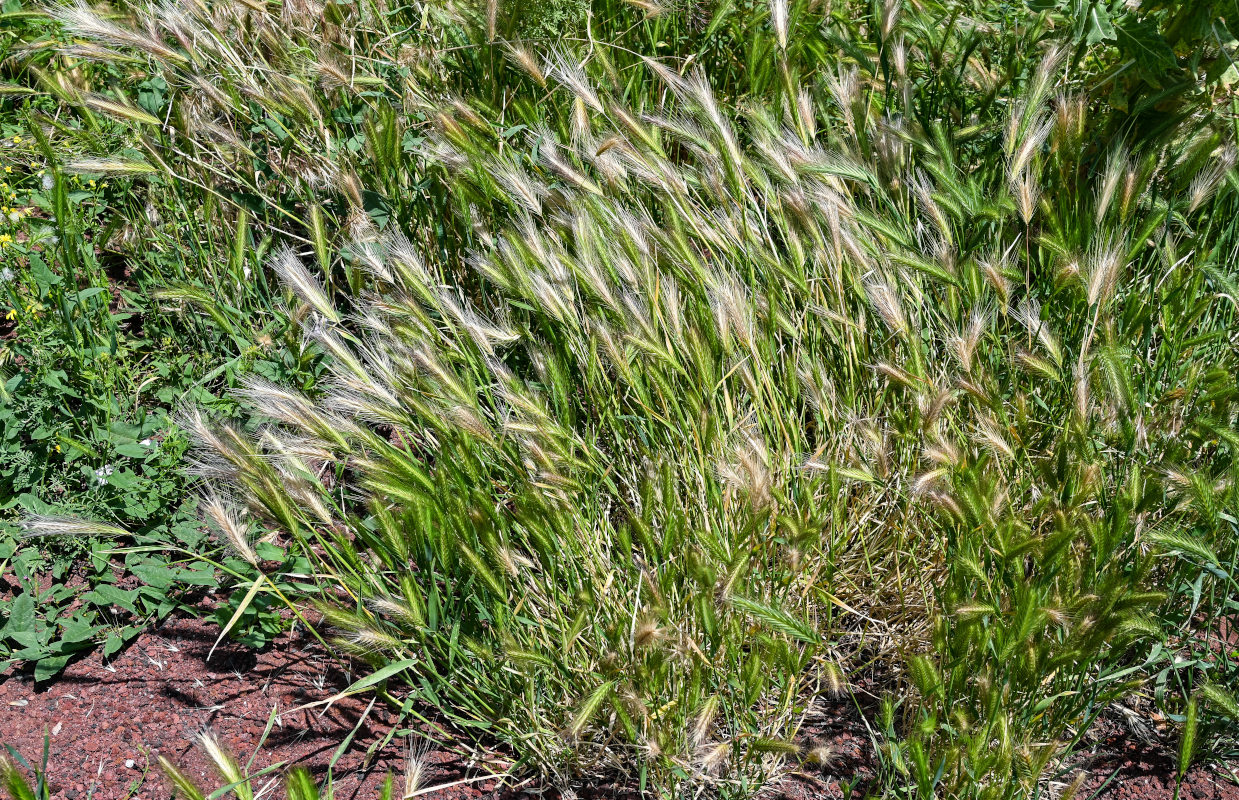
(903, 375)
(76, 434)
(90, 363)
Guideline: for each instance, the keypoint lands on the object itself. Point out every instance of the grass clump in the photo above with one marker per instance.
(725, 407)
(650, 421)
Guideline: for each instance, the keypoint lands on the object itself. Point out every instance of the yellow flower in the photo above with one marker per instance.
(12, 314)
(8, 169)
(92, 181)
(17, 140)
(57, 448)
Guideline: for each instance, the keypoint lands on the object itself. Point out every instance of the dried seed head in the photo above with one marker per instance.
(1027, 192)
(886, 302)
(899, 56)
(1133, 185)
(1029, 144)
(926, 482)
(43, 525)
(992, 437)
(778, 20)
(964, 344)
(805, 110)
(1029, 315)
(943, 453)
(417, 759)
(646, 634)
(492, 19)
(747, 469)
(1071, 113)
(834, 681)
(890, 16)
(520, 55)
(714, 757)
(1057, 616)
(1105, 262)
(896, 375)
(1116, 165)
(703, 721)
(566, 70)
(821, 755)
(1208, 179)
(651, 8)
(226, 519)
(994, 271)
(295, 276)
(844, 88)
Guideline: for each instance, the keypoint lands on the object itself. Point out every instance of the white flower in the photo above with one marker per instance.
(48, 183)
(145, 442)
(102, 473)
(6, 275)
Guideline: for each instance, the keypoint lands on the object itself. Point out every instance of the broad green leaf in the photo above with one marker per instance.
(21, 615)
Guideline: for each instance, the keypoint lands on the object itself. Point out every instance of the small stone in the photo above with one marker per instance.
(129, 763)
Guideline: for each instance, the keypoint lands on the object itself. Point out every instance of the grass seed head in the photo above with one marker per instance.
(226, 519)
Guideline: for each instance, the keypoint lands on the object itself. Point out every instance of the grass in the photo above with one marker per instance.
(639, 392)
(692, 429)
(237, 780)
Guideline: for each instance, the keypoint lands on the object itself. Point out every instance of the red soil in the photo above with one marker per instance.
(1138, 772)
(108, 723)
